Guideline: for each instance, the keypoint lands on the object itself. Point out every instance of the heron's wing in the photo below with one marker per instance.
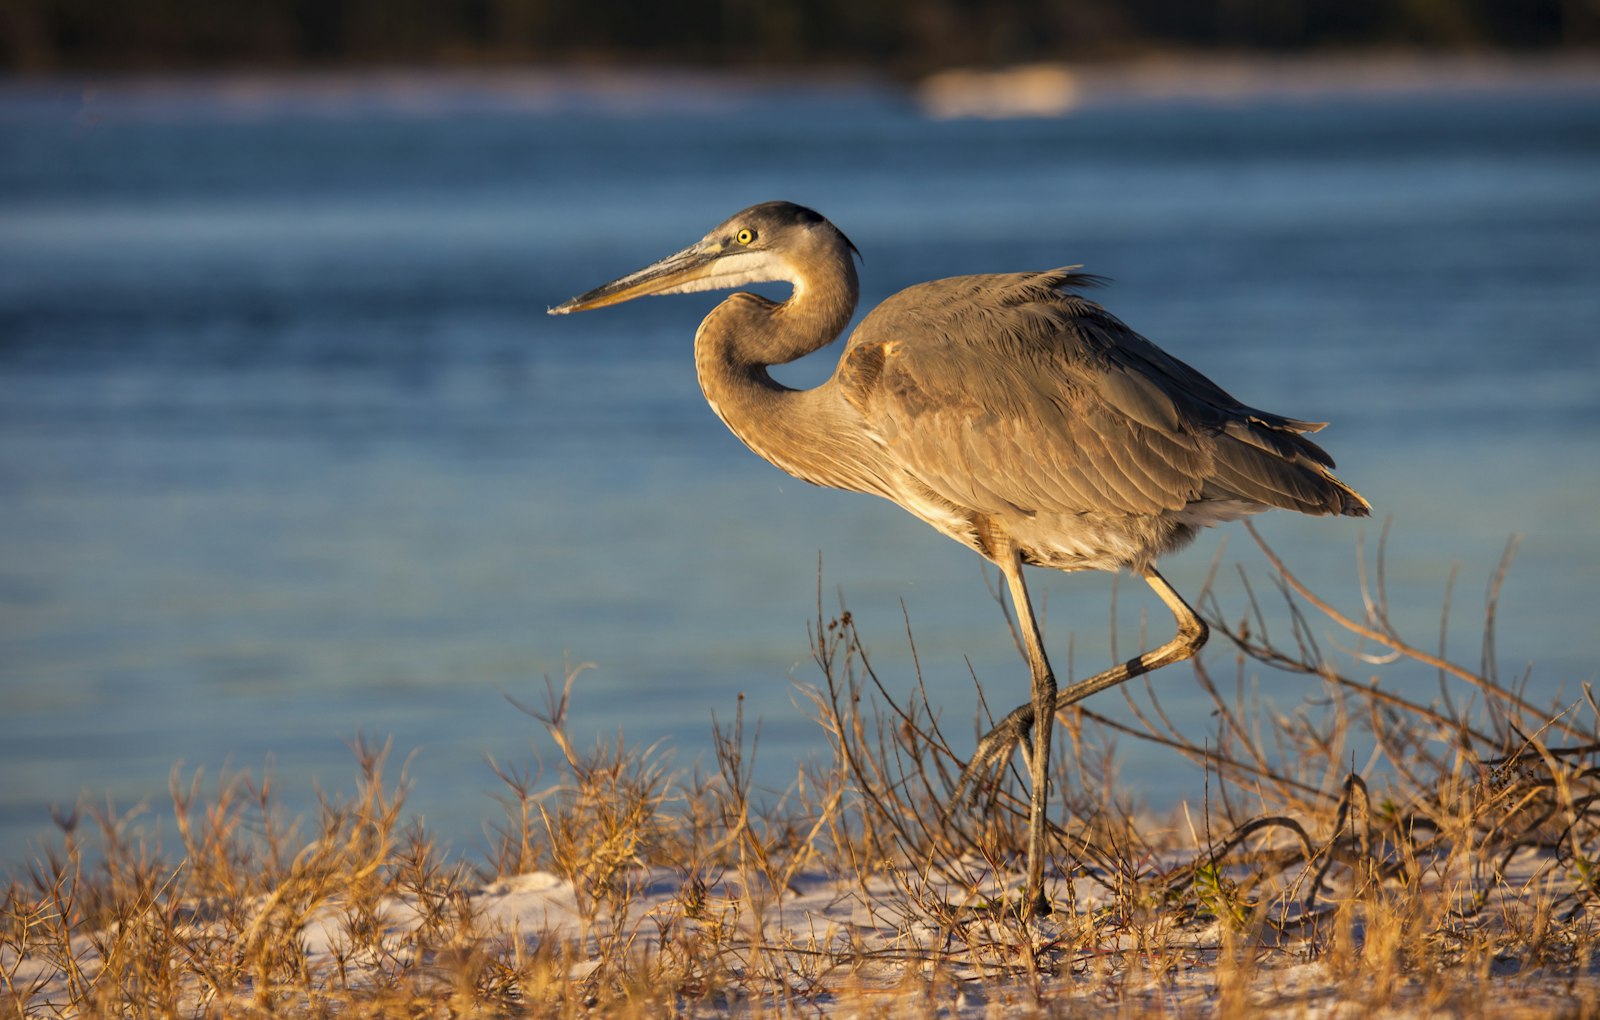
(1003, 393)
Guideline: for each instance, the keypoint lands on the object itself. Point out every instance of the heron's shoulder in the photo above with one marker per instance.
(990, 290)
(978, 345)
(963, 310)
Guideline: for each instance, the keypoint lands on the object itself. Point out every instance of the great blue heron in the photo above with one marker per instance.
(1005, 410)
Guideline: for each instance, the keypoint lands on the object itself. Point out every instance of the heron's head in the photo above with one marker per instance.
(773, 241)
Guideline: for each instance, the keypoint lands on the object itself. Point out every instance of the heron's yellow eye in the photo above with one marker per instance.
(745, 236)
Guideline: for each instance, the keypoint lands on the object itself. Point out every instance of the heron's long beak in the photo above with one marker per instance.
(674, 273)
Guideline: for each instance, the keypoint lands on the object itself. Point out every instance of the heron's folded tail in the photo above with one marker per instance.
(1281, 469)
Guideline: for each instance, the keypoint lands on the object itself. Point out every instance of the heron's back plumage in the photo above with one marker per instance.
(1014, 399)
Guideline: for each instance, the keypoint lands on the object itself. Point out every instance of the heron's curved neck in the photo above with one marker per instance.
(807, 433)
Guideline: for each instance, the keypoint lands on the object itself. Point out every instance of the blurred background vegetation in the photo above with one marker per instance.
(903, 37)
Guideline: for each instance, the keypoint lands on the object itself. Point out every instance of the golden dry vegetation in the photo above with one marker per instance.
(1453, 870)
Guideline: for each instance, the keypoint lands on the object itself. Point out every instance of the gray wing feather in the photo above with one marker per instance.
(1006, 393)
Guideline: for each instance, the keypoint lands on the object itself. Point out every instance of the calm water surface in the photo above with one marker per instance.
(290, 451)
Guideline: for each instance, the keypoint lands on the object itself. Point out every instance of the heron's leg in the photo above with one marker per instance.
(1192, 633)
(1043, 718)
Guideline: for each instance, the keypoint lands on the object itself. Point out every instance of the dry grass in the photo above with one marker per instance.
(1456, 871)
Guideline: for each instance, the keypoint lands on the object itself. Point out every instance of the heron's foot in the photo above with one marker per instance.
(1041, 905)
(1013, 730)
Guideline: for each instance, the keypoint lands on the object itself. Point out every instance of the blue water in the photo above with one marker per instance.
(290, 451)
